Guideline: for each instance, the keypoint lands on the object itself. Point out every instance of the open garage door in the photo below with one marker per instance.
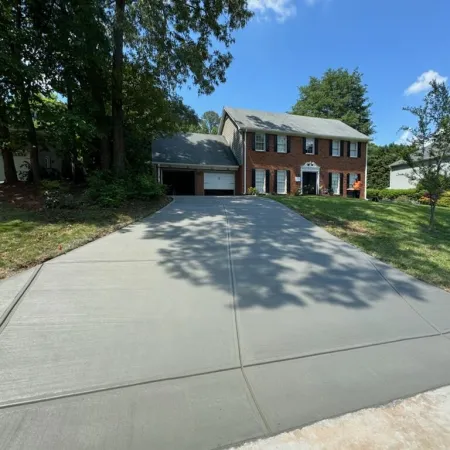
(179, 182)
(219, 183)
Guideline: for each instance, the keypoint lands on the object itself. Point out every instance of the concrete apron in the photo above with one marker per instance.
(215, 321)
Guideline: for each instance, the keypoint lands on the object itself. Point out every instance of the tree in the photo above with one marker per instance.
(429, 152)
(379, 159)
(339, 94)
(209, 123)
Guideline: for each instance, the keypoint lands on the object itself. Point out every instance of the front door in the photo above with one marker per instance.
(309, 183)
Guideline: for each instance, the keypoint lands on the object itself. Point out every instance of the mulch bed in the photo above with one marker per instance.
(23, 195)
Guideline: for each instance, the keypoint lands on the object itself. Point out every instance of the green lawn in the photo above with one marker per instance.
(396, 233)
(31, 237)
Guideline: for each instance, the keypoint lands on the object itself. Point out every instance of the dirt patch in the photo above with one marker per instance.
(23, 195)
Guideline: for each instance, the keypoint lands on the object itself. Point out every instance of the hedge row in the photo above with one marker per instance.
(392, 194)
(412, 194)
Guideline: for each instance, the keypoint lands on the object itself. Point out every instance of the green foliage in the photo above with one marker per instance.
(110, 191)
(252, 191)
(54, 199)
(392, 194)
(339, 94)
(50, 185)
(430, 143)
(379, 159)
(209, 122)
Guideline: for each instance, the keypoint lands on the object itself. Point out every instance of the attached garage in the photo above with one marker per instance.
(219, 183)
(195, 164)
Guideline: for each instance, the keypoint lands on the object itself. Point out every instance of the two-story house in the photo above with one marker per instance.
(273, 152)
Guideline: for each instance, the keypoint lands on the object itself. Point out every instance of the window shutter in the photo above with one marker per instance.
(288, 144)
(348, 181)
(348, 149)
(267, 142)
(342, 148)
(331, 147)
(288, 181)
(275, 181)
(254, 142)
(316, 146)
(253, 178)
(341, 184)
(304, 145)
(330, 180)
(275, 143)
(359, 149)
(267, 181)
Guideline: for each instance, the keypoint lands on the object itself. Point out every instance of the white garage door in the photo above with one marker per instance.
(219, 181)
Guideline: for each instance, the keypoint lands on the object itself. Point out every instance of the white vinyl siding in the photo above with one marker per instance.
(336, 148)
(260, 180)
(260, 142)
(353, 149)
(281, 144)
(281, 182)
(310, 144)
(335, 183)
(352, 178)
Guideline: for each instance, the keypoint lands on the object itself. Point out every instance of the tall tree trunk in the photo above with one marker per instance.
(117, 90)
(432, 213)
(25, 101)
(8, 158)
(31, 133)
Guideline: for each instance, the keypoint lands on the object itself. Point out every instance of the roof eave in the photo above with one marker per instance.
(196, 166)
(302, 134)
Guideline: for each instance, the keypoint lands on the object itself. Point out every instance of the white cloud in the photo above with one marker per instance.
(405, 138)
(423, 82)
(281, 9)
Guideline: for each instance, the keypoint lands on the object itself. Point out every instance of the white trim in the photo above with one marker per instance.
(314, 168)
(264, 178)
(195, 166)
(244, 191)
(365, 172)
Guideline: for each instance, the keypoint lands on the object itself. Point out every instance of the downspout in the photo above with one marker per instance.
(365, 174)
(244, 153)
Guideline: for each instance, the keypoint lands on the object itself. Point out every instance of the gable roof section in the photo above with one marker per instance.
(193, 149)
(426, 156)
(252, 120)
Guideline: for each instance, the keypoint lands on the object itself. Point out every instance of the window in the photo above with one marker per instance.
(281, 144)
(336, 148)
(309, 146)
(260, 180)
(47, 162)
(260, 142)
(335, 183)
(281, 182)
(353, 149)
(352, 177)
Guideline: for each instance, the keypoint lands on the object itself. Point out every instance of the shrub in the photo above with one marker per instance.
(392, 194)
(50, 185)
(107, 190)
(403, 199)
(59, 199)
(252, 191)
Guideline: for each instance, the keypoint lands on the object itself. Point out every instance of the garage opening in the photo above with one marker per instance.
(179, 182)
(219, 183)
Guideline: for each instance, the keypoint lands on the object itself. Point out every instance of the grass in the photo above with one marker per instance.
(31, 237)
(396, 233)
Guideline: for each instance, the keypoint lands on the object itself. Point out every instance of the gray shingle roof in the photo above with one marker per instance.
(193, 149)
(426, 156)
(247, 119)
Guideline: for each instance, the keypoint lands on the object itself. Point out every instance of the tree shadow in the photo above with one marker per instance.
(278, 257)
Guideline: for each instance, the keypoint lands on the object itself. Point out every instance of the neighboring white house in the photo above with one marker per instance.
(400, 175)
(47, 159)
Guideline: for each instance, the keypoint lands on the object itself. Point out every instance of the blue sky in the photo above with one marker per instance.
(393, 42)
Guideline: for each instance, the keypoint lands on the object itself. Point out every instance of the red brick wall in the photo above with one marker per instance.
(292, 161)
(199, 183)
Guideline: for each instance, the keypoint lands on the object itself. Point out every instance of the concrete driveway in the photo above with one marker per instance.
(215, 321)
